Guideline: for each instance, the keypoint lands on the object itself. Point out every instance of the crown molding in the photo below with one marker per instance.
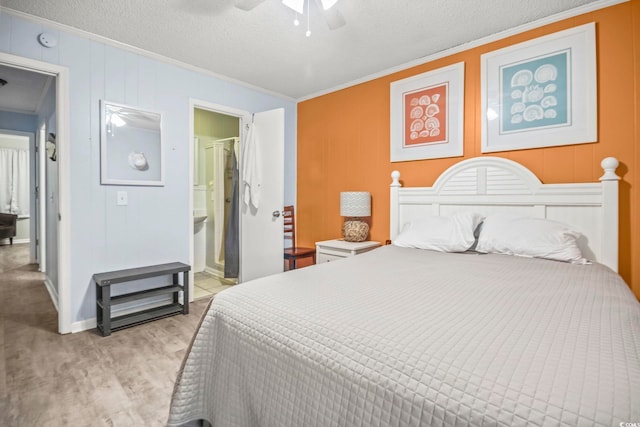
(126, 47)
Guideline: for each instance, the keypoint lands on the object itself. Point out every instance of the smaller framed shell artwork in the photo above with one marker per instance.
(427, 115)
(540, 93)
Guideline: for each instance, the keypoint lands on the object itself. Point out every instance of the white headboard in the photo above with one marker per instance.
(492, 184)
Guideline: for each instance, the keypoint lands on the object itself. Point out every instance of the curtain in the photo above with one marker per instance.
(14, 181)
(22, 183)
(231, 241)
(6, 172)
(218, 200)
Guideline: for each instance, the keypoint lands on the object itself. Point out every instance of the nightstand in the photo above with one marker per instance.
(331, 250)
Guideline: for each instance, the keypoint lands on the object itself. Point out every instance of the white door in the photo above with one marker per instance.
(261, 229)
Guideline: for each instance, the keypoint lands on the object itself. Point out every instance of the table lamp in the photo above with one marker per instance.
(355, 205)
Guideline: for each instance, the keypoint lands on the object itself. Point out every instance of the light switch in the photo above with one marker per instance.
(122, 198)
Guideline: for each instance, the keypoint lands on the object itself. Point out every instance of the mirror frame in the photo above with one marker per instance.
(107, 176)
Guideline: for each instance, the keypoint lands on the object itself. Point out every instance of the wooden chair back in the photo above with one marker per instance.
(289, 224)
(292, 253)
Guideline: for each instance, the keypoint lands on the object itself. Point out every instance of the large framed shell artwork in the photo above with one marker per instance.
(541, 92)
(427, 115)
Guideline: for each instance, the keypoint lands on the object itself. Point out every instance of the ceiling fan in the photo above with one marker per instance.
(331, 15)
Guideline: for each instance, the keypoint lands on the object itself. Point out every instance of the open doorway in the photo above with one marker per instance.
(16, 210)
(260, 197)
(29, 167)
(43, 114)
(216, 149)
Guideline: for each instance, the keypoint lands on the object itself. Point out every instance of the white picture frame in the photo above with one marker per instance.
(131, 149)
(540, 93)
(427, 115)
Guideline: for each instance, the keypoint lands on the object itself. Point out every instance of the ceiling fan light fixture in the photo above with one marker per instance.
(328, 4)
(117, 120)
(297, 5)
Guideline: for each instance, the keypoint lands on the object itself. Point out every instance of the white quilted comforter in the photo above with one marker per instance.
(406, 337)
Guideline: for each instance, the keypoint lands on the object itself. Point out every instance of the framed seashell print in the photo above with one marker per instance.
(540, 93)
(427, 115)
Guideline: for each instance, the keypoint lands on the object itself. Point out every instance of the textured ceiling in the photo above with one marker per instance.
(263, 48)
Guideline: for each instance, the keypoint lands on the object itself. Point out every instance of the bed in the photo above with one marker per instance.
(412, 337)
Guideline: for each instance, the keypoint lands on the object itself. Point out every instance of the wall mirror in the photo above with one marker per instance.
(130, 146)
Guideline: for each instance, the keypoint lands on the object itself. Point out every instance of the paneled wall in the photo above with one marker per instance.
(215, 125)
(343, 137)
(154, 227)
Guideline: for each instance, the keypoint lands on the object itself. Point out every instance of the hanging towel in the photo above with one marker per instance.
(251, 171)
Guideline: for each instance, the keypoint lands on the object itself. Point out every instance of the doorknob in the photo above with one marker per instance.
(276, 214)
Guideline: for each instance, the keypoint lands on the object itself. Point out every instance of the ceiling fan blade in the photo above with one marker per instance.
(247, 4)
(332, 17)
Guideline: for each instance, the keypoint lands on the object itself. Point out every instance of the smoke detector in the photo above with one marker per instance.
(47, 40)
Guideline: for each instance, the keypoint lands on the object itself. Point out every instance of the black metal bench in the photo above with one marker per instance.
(104, 301)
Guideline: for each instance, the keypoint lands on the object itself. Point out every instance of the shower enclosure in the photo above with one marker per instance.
(213, 197)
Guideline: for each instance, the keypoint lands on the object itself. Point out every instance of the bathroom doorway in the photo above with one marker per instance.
(215, 184)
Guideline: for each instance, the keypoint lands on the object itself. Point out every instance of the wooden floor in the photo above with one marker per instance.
(82, 379)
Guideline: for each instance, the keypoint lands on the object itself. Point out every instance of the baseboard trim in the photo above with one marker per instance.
(7, 241)
(85, 325)
(216, 272)
(53, 292)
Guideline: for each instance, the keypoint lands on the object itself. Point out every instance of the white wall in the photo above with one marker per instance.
(153, 227)
(17, 121)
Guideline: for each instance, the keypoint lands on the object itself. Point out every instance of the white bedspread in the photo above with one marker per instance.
(406, 337)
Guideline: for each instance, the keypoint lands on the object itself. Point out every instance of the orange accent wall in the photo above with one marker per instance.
(343, 137)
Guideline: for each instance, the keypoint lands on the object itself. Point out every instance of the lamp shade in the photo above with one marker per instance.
(355, 203)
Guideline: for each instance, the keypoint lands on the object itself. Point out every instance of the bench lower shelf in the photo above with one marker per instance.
(105, 301)
(124, 321)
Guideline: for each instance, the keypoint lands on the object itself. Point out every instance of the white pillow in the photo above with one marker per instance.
(504, 233)
(440, 233)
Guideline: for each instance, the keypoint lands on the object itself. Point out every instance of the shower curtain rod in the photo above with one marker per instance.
(213, 142)
(212, 139)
